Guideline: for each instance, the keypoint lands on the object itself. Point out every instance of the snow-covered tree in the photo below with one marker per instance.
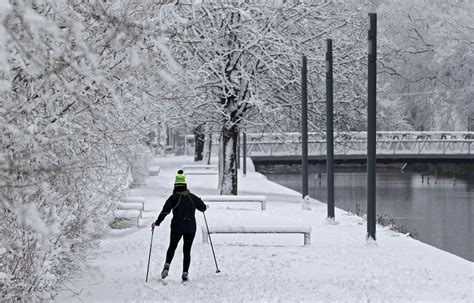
(245, 57)
(426, 62)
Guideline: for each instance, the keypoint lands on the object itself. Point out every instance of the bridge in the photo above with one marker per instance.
(350, 147)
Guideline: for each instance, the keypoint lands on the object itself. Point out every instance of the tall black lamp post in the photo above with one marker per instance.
(304, 125)
(371, 125)
(329, 130)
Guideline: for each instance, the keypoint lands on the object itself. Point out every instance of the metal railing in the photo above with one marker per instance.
(318, 147)
(353, 143)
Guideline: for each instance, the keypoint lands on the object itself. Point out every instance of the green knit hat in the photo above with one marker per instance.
(180, 178)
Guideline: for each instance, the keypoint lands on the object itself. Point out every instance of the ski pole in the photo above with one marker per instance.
(149, 255)
(212, 247)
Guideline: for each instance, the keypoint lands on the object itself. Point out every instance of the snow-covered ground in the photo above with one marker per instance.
(339, 265)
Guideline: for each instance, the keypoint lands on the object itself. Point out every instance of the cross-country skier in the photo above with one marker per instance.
(183, 224)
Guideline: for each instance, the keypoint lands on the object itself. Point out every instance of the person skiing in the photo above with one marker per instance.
(183, 224)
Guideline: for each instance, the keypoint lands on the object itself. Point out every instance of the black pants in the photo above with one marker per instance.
(188, 242)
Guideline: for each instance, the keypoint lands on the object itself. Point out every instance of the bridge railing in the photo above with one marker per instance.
(347, 147)
(389, 135)
(389, 142)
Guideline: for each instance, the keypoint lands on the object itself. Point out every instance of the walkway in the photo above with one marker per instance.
(339, 265)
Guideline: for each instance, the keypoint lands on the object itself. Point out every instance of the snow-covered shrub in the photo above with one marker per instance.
(72, 99)
(139, 159)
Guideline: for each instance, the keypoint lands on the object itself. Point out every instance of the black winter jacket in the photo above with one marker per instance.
(184, 205)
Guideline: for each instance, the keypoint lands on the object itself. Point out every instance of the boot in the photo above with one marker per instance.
(184, 277)
(166, 268)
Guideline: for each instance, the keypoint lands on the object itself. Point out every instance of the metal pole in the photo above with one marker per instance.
(304, 125)
(149, 256)
(371, 126)
(329, 129)
(244, 150)
(210, 241)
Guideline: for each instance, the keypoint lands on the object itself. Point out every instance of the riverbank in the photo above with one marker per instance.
(339, 265)
(463, 171)
(433, 209)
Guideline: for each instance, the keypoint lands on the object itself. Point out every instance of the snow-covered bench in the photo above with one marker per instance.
(201, 172)
(305, 230)
(200, 169)
(199, 166)
(131, 199)
(154, 170)
(230, 198)
(131, 206)
(128, 214)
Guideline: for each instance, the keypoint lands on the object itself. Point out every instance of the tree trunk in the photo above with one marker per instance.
(161, 138)
(228, 161)
(207, 146)
(199, 143)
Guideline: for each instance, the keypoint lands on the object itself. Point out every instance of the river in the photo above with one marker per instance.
(436, 210)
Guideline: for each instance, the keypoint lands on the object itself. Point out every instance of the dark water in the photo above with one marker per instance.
(438, 211)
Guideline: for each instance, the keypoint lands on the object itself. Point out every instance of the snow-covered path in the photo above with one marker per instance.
(338, 266)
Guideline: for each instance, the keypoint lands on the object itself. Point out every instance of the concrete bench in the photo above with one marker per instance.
(230, 198)
(131, 206)
(199, 166)
(131, 199)
(128, 214)
(154, 170)
(305, 230)
(201, 172)
(200, 169)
